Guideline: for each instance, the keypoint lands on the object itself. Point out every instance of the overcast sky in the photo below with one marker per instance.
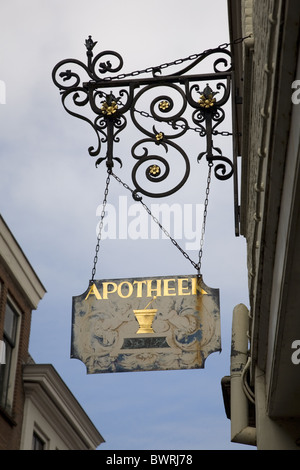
(50, 191)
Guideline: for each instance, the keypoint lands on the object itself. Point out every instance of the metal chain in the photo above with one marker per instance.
(182, 126)
(101, 224)
(157, 68)
(143, 113)
(197, 266)
(210, 165)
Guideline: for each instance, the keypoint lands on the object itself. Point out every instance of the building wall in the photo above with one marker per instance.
(11, 420)
(270, 214)
(35, 422)
(37, 401)
(53, 413)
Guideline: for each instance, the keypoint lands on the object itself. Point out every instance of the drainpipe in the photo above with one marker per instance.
(241, 432)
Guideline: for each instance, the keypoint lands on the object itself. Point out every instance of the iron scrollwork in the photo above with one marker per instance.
(174, 102)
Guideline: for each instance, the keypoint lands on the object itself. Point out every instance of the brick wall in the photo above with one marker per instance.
(11, 423)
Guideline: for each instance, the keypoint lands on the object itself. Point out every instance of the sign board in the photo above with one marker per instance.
(143, 324)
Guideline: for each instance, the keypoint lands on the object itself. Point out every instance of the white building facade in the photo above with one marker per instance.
(265, 370)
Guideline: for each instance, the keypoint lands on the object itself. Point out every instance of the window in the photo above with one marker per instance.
(37, 442)
(6, 370)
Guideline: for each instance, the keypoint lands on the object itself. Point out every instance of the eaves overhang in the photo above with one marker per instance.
(19, 268)
(45, 388)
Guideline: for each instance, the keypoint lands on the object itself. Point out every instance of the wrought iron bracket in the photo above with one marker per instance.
(176, 102)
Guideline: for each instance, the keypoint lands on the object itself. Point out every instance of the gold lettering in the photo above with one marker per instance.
(181, 288)
(130, 289)
(167, 288)
(150, 289)
(93, 290)
(139, 292)
(105, 288)
(153, 288)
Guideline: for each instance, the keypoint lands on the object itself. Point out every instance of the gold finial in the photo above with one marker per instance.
(154, 170)
(109, 109)
(159, 136)
(207, 99)
(164, 105)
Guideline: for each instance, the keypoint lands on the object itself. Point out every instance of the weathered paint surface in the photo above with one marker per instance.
(183, 331)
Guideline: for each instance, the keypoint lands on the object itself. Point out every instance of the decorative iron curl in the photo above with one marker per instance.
(162, 110)
(153, 172)
(207, 116)
(110, 110)
(95, 69)
(226, 61)
(68, 81)
(221, 170)
(75, 97)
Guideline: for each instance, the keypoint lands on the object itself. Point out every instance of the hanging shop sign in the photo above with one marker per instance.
(145, 324)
